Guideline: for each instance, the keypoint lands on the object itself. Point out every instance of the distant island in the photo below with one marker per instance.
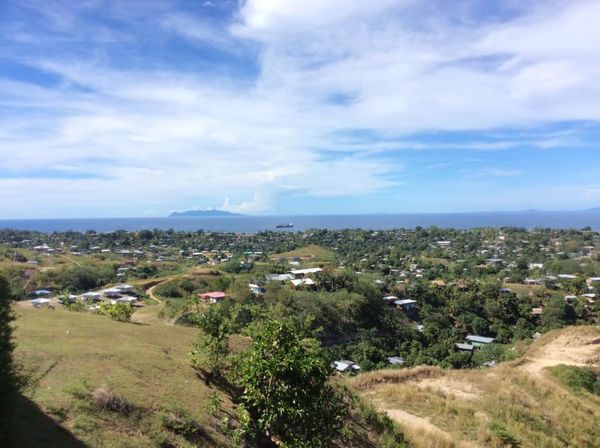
(202, 213)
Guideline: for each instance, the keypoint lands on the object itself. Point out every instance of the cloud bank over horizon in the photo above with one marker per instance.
(322, 106)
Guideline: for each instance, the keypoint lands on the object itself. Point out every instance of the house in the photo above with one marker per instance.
(345, 366)
(112, 292)
(593, 281)
(570, 298)
(479, 341)
(406, 304)
(256, 290)
(567, 277)
(279, 277)
(124, 288)
(390, 299)
(125, 299)
(213, 297)
(91, 295)
(396, 360)
(299, 282)
(438, 283)
(537, 311)
(464, 347)
(42, 293)
(590, 297)
(299, 273)
(40, 303)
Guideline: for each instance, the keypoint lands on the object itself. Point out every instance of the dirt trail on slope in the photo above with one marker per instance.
(577, 348)
(434, 437)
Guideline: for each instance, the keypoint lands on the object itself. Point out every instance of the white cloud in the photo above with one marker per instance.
(160, 135)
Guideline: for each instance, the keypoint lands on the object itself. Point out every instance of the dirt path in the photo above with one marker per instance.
(578, 346)
(568, 348)
(434, 437)
(150, 292)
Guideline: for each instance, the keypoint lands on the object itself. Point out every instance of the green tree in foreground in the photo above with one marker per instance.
(8, 377)
(285, 394)
(119, 311)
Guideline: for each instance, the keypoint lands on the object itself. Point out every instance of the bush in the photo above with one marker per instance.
(119, 311)
(169, 289)
(577, 378)
(506, 438)
(104, 398)
(180, 423)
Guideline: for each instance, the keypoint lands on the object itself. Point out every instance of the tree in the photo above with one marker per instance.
(119, 311)
(8, 377)
(285, 394)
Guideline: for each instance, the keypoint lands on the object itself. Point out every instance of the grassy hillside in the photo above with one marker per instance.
(519, 403)
(69, 355)
(101, 383)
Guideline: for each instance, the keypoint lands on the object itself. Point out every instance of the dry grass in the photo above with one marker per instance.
(105, 398)
(394, 376)
(504, 406)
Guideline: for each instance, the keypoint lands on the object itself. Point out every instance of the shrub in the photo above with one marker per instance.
(507, 439)
(577, 378)
(169, 289)
(180, 423)
(119, 311)
(104, 398)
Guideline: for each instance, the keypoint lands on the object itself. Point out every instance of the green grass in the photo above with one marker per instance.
(72, 358)
(68, 355)
(578, 379)
(310, 253)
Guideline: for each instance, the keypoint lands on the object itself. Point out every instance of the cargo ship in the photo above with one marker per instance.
(284, 226)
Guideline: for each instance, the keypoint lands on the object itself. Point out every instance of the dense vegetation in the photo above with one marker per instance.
(8, 376)
(578, 378)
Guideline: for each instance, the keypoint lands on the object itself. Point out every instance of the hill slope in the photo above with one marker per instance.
(79, 362)
(518, 403)
(69, 355)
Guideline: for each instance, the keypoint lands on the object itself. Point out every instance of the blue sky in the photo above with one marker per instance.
(139, 108)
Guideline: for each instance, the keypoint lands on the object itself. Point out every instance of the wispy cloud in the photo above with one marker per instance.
(164, 105)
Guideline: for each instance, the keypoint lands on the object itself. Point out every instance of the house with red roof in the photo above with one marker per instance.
(213, 297)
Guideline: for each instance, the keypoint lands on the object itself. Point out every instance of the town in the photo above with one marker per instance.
(397, 298)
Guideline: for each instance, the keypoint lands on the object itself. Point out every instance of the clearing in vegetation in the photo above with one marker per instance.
(308, 253)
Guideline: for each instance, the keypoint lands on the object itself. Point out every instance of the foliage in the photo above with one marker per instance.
(8, 377)
(284, 389)
(169, 289)
(119, 311)
(578, 378)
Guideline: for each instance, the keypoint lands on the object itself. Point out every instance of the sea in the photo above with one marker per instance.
(253, 224)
